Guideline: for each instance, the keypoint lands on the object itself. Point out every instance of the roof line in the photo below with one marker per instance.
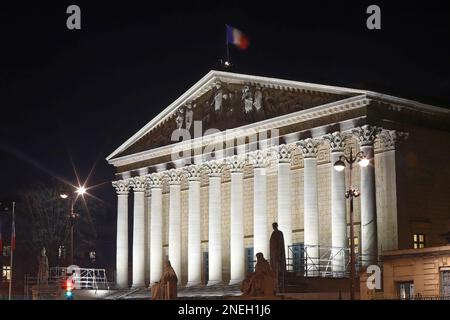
(197, 87)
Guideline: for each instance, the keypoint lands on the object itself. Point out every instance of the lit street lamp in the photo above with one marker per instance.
(339, 165)
(72, 215)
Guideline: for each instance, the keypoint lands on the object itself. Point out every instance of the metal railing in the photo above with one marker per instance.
(84, 279)
(324, 261)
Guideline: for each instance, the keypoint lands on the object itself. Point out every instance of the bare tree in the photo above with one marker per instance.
(48, 223)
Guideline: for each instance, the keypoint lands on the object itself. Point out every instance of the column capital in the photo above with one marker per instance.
(214, 168)
(155, 180)
(193, 172)
(283, 153)
(309, 147)
(174, 176)
(138, 183)
(259, 159)
(236, 163)
(336, 141)
(122, 186)
(366, 134)
(391, 138)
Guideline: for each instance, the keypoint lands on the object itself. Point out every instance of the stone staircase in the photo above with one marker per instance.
(130, 294)
(218, 291)
(200, 292)
(299, 284)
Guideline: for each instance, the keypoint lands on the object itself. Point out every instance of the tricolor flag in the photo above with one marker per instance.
(236, 37)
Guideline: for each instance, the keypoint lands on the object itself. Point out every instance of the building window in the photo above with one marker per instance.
(418, 241)
(6, 251)
(445, 283)
(6, 273)
(356, 239)
(405, 290)
(250, 259)
(62, 252)
(92, 256)
(297, 257)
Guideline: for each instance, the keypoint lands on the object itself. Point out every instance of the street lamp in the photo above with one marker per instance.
(339, 166)
(81, 190)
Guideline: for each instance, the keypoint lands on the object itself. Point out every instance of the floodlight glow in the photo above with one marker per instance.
(81, 190)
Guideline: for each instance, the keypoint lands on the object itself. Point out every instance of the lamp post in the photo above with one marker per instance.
(72, 215)
(339, 165)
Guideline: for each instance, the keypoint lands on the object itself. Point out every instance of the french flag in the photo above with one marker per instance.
(236, 37)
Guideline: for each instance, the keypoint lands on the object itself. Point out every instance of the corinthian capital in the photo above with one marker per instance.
(366, 134)
(283, 153)
(138, 183)
(336, 140)
(214, 168)
(259, 159)
(174, 176)
(308, 147)
(236, 163)
(155, 180)
(193, 172)
(391, 138)
(122, 186)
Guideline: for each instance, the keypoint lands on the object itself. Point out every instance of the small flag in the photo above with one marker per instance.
(13, 236)
(236, 37)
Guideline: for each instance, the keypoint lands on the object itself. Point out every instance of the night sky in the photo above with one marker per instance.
(74, 96)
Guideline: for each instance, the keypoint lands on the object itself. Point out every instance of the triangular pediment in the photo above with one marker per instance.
(223, 100)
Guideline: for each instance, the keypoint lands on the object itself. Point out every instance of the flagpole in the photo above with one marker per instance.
(12, 250)
(226, 42)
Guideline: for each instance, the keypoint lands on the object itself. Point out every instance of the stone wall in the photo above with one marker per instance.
(422, 267)
(423, 188)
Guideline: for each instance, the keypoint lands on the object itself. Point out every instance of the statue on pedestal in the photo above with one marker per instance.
(261, 282)
(277, 254)
(43, 267)
(166, 288)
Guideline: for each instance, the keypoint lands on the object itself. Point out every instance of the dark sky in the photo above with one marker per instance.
(77, 95)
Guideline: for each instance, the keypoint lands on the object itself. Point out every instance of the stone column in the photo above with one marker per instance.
(215, 223)
(138, 184)
(194, 224)
(369, 255)
(156, 226)
(237, 252)
(284, 196)
(174, 177)
(260, 232)
(149, 228)
(387, 224)
(122, 189)
(147, 233)
(338, 205)
(311, 214)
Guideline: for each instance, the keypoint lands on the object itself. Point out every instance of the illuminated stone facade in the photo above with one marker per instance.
(187, 204)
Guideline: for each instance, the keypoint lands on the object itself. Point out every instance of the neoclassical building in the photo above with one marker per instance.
(209, 175)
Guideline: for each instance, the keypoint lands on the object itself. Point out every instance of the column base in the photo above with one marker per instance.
(138, 286)
(192, 283)
(214, 282)
(235, 281)
(122, 286)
